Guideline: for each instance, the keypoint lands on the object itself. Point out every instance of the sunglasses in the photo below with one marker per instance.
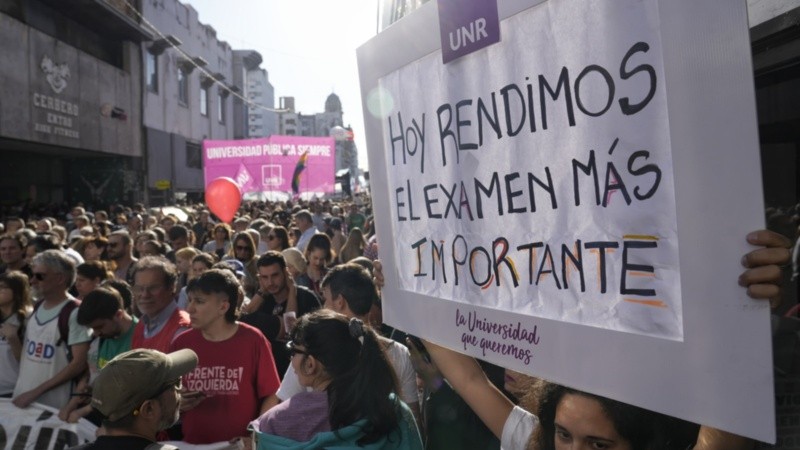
(294, 350)
(39, 275)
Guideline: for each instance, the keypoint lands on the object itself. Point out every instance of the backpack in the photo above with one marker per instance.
(63, 322)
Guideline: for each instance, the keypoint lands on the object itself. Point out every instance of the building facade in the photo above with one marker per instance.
(390, 11)
(258, 113)
(70, 102)
(775, 37)
(188, 97)
(327, 123)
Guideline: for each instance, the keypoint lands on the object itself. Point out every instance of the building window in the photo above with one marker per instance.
(221, 107)
(151, 65)
(194, 156)
(204, 101)
(183, 87)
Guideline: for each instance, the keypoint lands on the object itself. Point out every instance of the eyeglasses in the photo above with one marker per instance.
(177, 385)
(294, 350)
(39, 275)
(139, 290)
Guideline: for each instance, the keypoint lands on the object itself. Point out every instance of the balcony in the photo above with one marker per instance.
(113, 18)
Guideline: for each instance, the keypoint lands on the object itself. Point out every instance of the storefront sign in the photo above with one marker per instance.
(55, 115)
(163, 185)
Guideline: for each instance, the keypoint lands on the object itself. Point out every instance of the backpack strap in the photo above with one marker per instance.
(63, 321)
(63, 318)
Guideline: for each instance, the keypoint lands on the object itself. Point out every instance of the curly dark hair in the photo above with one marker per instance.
(643, 429)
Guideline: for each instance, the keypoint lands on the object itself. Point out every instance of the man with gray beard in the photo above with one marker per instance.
(138, 395)
(55, 346)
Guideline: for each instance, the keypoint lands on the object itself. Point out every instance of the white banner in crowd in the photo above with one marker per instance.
(39, 427)
(572, 202)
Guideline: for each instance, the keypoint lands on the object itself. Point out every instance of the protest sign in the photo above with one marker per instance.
(572, 201)
(39, 427)
(264, 165)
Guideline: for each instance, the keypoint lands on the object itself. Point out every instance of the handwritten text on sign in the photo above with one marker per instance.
(543, 186)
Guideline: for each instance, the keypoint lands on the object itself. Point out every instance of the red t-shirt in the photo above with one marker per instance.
(235, 375)
(161, 341)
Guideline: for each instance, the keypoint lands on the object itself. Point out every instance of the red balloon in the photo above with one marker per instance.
(223, 198)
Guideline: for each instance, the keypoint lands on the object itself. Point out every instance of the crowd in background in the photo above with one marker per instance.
(282, 310)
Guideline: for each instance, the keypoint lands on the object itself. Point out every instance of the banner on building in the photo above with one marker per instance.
(572, 201)
(268, 164)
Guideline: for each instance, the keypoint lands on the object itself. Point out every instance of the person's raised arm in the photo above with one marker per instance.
(466, 377)
(470, 382)
(255, 302)
(713, 439)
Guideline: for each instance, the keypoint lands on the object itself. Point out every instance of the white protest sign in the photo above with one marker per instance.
(39, 427)
(572, 202)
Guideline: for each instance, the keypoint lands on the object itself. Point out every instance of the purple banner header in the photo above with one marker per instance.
(466, 26)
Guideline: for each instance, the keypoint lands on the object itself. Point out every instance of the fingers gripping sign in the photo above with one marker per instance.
(763, 275)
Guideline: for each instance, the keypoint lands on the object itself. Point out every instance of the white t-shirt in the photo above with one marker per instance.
(399, 358)
(42, 359)
(9, 366)
(518, 429)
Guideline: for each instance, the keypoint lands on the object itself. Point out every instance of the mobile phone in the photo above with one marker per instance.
(193, 394)
(417, 343)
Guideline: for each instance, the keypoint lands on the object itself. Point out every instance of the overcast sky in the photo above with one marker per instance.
(308, 46)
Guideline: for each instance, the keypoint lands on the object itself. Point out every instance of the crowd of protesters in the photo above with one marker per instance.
(276, 322)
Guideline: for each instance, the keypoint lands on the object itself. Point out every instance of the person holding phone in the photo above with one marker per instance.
(235, 373)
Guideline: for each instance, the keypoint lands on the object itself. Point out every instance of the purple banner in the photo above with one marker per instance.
(267, 165)
(466, 26)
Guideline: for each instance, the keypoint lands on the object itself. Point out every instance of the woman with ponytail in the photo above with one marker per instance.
(15, 307)
(351, 402)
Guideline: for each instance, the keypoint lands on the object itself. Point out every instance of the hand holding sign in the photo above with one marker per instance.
(763, 275)
(223, 198)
